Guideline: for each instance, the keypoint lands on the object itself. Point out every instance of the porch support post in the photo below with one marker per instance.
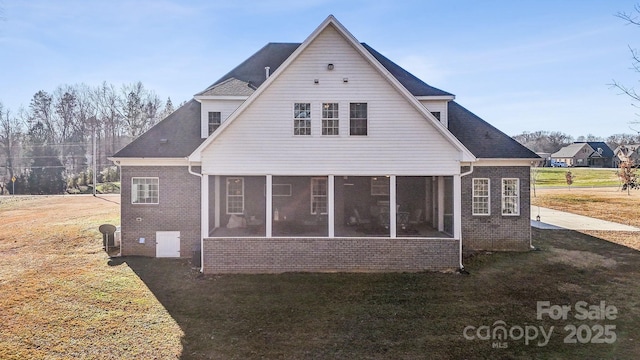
(269, 203)
(457, 207)
(392, 207)
(216, 200)
(331, 205)
(204, 206)
(440, 203)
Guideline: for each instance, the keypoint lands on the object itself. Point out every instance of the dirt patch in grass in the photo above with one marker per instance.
(64, 298)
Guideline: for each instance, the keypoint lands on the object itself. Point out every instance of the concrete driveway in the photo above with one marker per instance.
(554, 219)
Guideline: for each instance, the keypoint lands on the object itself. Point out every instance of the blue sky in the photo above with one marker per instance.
(520, 65)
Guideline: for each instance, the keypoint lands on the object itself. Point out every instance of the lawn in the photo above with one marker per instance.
(582, 177)
(62, 297)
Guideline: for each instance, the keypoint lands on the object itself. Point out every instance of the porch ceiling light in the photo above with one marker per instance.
(330, 67)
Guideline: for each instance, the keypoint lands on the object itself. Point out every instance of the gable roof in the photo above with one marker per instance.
(177, 136)
(182, 128)
(252, 70)
(606, 150)
(466, 155)
(570, 150)
(481, 138)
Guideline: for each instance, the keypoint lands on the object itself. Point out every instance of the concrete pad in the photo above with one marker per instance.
(554, 219)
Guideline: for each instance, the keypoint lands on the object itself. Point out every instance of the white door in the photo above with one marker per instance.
(168, 244)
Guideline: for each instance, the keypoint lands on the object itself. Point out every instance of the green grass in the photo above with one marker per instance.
(585, 177)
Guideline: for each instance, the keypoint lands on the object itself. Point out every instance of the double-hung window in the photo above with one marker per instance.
(302, 119)
(358, 119)
(235, 196)
(144, 190)
(318, 195)
(481, 204)
(511, 197)
(215, 119)
(330, 122)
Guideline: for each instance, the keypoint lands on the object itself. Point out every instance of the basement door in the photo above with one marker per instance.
(168, 244)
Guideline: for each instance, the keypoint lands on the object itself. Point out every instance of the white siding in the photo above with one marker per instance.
(438, 106)
(225, 107)
(400, 140)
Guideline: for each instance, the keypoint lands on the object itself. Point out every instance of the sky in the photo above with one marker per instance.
(523, 65)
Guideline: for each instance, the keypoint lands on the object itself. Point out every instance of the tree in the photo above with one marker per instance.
(632, 18)
(45, 172)
(627, 175)
(10, 136)
(168, 109)
(139, 108)
(544, 141)
(41, 111)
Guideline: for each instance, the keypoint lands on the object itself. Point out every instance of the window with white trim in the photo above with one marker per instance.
(302, 119)
(235, 196)
(330, 122)
(511, 197)
(358, 119)
(144, 190)
(215, 119)
(319, 195)
(481, 203)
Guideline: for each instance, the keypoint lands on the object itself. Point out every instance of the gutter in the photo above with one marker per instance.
(461, 269)
(201, 238)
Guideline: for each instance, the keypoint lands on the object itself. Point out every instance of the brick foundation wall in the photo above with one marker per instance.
(178, 210)
(276, 255)
(496, 232)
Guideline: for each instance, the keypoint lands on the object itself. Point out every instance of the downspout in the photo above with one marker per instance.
(462, 270)
(201, 238)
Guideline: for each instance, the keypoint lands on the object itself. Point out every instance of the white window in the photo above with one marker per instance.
(235, 196)
(380, 186)
(330, 122)
(481, 197)
(358, 119)
(511, 197)
(144, 190)
(302, 119)
(215, 119)
(318, 195)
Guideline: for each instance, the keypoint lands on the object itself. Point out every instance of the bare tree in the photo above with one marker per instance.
(632, 18)
(139, 108)
(10, 138)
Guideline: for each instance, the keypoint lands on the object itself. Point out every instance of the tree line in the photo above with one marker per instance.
(48, 147)
(552, 141)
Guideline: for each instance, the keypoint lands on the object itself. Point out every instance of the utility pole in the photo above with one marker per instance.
(95, 177)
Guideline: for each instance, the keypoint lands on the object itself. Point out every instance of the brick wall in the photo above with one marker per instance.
(497, 232)
(274, 255)
(178, 210)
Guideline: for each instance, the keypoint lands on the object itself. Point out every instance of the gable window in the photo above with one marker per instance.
(358, 119)
(330, 122)
(481, 203)
(436, 114)
(318, 196)
(215, 119)
(511, 197)
(235, 196)
(144, 190)
(302, 119)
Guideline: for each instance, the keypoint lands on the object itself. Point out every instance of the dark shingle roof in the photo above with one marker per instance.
(606, 150)
(415, 86)
(252, 70)
(182, 128)
(481, 138)
(177, 136)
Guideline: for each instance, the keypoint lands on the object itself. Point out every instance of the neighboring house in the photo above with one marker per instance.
(323, 156)
(587, 154)
(624, 152)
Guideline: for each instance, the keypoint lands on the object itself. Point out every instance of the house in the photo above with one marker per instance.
(587, 154)
(625, 152)
(323, 156)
